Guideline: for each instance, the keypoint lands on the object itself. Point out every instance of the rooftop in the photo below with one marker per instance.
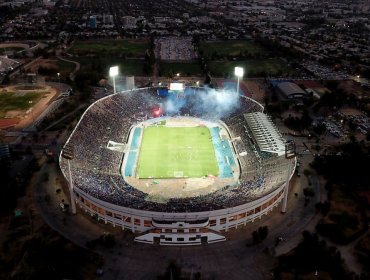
(291, 89)
(265, 133)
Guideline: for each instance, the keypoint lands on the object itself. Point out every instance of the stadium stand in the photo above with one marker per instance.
(95, 169)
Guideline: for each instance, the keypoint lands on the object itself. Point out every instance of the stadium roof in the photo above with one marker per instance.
(291, 90)
(265, 133)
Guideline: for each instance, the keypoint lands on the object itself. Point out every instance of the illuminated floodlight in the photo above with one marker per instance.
(239, 72)
(177, 86)
(178, 75)
(113, 72)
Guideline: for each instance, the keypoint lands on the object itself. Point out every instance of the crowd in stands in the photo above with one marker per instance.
(96, 169)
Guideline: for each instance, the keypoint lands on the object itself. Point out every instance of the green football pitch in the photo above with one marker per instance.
(169, 152)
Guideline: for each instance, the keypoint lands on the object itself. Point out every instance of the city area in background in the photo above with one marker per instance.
(194, 139)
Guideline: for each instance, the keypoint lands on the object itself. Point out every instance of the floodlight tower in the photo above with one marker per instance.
(58, 74)
(239, 72)
(290, 153)
(68, 154)
(113, 72)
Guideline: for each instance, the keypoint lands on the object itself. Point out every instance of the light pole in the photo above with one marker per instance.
(113, 72)
(31, 110)
(58, 74)
(290, 154)
(68, 154)
(239, 72)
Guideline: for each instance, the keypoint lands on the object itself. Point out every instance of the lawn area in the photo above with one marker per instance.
(17, 101)
(168, 69)
(231, 48)
(252, 67)
(131, 48)
(10, 49)
(168, 152)
(126, 66)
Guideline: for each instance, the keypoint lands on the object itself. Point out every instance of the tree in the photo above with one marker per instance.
(263, 232)
(207, 80)
(255, 237)
(306, 120)
(306, 172)
(332, 85)
(319, 129)
(308, 192)
(149, 62)
(260, 234)
(47, 71)
(173, 272)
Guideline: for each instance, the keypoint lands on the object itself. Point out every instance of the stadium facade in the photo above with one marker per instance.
(102, 156)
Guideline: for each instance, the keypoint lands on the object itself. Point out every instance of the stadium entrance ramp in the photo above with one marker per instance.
(172, 233)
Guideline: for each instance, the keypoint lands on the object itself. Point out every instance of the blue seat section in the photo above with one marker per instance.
(135, 139)
(223, 151)
(130, 164)
(162, 92)
(131, 160)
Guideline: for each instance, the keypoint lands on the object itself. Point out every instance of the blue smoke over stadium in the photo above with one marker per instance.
(207, 102)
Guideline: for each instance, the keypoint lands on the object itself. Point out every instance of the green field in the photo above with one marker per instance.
(17, 101)
(102, 64)
(168, 152)
(131, 48)
(10, 49)
(184, 68)
(252, 67)
(231, 48)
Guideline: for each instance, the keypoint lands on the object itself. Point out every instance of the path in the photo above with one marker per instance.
(77, 67)
(63, 118)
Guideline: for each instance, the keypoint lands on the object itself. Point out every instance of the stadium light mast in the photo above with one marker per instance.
(68, 154)
(239, 72)
(290, 153)
(113, 72)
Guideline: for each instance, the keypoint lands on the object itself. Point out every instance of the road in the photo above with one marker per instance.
(232, 259)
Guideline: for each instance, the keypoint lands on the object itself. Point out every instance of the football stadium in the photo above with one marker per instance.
(177, 167)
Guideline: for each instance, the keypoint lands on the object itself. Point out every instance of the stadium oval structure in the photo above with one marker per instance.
(114, 174)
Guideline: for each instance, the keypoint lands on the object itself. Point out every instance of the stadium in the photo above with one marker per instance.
(177, 167)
